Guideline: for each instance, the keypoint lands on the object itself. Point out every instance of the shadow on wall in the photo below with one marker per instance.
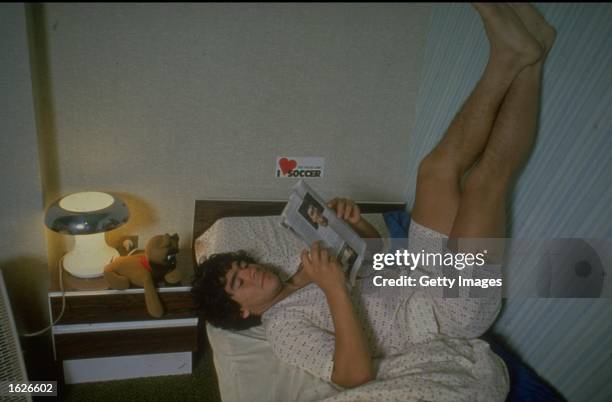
(142, 216)
(43, 105)
(27, 281)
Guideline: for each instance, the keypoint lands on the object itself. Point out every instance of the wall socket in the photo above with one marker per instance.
(127, 244)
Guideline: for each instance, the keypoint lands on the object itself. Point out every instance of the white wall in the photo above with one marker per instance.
(169, 103)
(564, 191)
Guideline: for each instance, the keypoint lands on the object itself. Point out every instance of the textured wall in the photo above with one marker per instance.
(168, 103)
(565, 189)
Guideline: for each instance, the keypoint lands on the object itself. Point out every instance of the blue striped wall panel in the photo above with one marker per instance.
(565, 189)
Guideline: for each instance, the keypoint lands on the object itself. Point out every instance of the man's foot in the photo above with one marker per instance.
(536, 25)
(510, 40)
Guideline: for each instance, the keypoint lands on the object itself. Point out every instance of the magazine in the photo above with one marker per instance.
(308, 217)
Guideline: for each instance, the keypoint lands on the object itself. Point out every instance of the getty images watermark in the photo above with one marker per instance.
(547, 268)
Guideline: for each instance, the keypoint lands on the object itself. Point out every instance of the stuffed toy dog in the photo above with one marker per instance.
(146, 270)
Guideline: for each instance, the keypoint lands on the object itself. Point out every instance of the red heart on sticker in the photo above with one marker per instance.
(287, 165)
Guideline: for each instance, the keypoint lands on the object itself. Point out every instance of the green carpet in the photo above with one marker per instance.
(200, 386)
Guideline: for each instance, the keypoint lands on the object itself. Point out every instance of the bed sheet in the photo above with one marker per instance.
(248, 371)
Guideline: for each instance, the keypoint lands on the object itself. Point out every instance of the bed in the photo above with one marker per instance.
(244, 360)
(246, 368)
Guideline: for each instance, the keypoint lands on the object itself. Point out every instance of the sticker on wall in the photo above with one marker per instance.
(299, 166)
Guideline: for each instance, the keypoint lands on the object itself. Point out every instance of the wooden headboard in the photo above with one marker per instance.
(208, 211)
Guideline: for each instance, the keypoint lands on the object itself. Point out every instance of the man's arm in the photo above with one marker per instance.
(352, 360)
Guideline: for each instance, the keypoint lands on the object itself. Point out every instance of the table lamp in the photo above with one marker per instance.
(87, 216)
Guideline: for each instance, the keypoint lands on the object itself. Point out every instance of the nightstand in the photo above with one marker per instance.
(108, 334)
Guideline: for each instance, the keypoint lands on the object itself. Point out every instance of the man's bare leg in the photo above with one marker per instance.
(482, 208)
(480, 221)
(512, 48)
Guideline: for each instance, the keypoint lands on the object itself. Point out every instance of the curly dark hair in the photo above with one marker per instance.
(212, 302)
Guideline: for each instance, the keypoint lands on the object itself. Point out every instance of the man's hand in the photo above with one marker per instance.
(346, 209)
(322, 268)
(349, 211)
(352, 362)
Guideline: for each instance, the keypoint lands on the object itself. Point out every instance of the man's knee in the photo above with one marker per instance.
(437, 166)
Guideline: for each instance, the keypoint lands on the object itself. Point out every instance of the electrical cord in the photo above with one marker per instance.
(61, 284)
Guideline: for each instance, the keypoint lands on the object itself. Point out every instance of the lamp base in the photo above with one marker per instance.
(89, 256)
(72, 283)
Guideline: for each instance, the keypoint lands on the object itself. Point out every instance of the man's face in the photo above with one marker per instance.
(316, 216)
(253, 286)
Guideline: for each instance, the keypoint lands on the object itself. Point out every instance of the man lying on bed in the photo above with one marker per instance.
(314, 322)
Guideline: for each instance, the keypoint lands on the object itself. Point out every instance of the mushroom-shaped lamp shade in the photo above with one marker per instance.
(86, 216)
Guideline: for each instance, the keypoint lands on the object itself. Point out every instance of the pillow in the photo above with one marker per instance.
(264, 238)
(261, 236)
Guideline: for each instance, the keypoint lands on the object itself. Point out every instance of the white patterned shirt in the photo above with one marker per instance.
(394, 319)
